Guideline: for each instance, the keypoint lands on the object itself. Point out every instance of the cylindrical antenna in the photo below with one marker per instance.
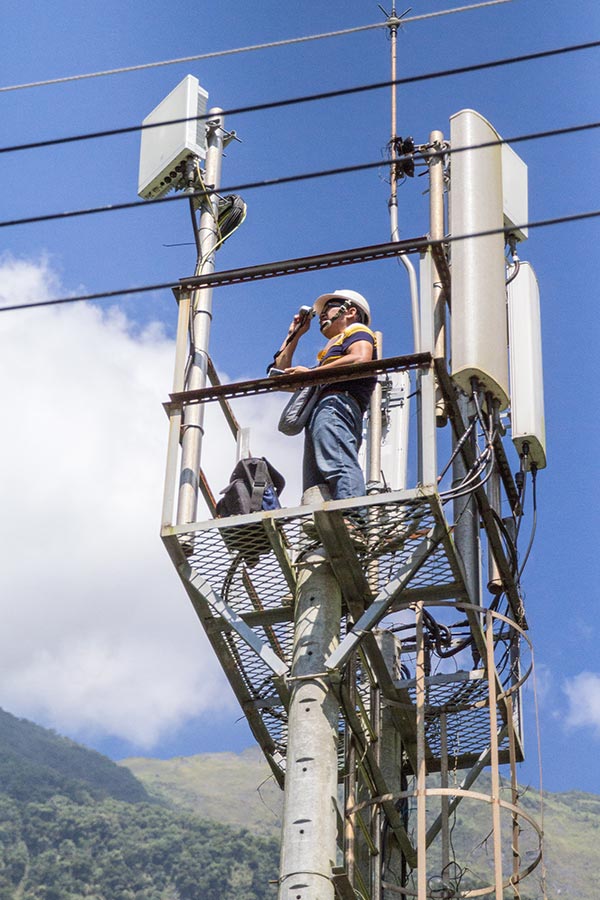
(393, 21)
(393, 26)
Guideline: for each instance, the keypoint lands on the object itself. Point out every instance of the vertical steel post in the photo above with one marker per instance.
(350, 787)
(514, 792)
(436, 233)
(495, 774)
(427, 437)
(201, 316)
(376, 809)
(391, 761)
(421, 763)
(175, 417)
(393, 201)
(374, 472)
(309, 831)
(394, 56)
(375, 427)
(445, 800)
(242, 444)
(432, 323)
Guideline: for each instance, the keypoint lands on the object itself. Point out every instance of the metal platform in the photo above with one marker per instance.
(387, 552)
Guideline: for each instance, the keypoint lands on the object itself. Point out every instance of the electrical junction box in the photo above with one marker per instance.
(526, 372)
(165, 149)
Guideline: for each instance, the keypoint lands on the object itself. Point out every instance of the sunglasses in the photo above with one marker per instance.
(330, 305)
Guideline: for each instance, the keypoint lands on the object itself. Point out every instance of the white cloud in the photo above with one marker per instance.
(583, 693)
(98, 635)
(541, 682)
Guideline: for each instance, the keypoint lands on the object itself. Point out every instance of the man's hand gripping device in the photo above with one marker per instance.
(303, 313)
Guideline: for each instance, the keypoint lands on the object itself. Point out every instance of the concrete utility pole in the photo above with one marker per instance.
(309, 830)
(200, 321)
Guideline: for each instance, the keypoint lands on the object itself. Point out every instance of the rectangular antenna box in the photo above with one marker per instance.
(526, 370)
(514, 192)
(164, 149)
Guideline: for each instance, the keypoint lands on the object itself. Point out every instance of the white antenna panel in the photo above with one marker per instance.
(526, 371)
(394, 436)
(164, 149)
(479, 332)
(514, 192)
(394, 445)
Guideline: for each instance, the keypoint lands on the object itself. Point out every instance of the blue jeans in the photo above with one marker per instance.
(332, 440)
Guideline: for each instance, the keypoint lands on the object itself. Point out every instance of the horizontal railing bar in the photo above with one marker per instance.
(319, 376)
(300, 264)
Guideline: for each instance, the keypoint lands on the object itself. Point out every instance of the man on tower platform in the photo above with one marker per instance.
(333, 435)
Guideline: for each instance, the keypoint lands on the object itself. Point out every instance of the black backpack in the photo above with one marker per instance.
(254, 485)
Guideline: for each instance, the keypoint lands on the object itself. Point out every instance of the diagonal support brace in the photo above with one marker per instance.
(247, 634)
(384, 600)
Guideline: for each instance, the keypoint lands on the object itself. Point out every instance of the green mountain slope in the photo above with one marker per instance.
(75, 825)
(224, 787)
(235, 789)
(572, 839)
(111, 850)
(36, 763)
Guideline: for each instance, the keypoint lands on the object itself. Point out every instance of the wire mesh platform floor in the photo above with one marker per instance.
(387, 551)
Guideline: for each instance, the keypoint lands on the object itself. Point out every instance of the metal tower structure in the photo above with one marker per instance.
(380, 679)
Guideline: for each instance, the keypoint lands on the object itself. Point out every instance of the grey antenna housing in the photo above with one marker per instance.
(165, 148)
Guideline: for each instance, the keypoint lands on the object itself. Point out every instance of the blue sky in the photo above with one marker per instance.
(98, 640)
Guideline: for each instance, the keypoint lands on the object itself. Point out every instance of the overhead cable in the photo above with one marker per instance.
(291, 179)
(303, 264)
(534, 524)
(252, 47)
(308, 98)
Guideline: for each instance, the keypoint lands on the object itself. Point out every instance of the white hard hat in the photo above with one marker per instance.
(352, 297)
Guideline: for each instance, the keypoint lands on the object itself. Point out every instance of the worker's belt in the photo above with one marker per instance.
(332, 390)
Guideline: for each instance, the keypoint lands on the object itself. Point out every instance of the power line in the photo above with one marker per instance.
(291, 179)
(218, 53)
(303, 264)
(308, 98)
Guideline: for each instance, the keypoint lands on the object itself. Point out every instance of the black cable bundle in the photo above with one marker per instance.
(231, 212)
